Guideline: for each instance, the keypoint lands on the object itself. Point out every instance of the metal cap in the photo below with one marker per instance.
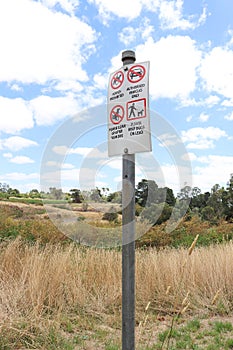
(128, 57)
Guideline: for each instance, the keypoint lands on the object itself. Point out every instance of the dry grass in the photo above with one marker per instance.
(55, 279)
(40, 286)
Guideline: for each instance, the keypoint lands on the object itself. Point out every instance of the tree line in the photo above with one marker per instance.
(151, 201)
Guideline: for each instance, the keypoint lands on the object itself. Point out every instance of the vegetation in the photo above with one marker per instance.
(56, 294)
(69, 297)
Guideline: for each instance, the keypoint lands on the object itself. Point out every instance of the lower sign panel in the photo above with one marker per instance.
(130, 134)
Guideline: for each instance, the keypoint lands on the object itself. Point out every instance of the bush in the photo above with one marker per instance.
(111, 215)
(157, 213)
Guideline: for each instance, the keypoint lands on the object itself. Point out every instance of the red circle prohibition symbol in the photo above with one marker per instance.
(136, 73)
(117, 114)
(117, 80)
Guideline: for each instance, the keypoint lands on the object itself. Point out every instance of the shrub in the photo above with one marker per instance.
(111, 215)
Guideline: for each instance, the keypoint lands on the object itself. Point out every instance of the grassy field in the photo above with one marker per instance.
(55, 294)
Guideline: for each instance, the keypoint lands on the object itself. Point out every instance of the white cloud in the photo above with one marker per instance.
(61, 150)
(208, 102)
(48, 110)
(203, 117)
(217, 72)
(173, 68)
(211, 101)
(202, 138)
(101, 81)
(189, 156)
(130, 34)
(7, 155)
(15, 115)
(229, 116)
(212, 172)
(82, 151)
(16, 87)
(171, 16)
(189, 118)
(68, 85)
(170, 12)
(129, 9)
(42, 45)
(16, 143)
(67, 5)
(18, 177)
(168, 140)
(21, 160)
(88, 152)
(68, 166)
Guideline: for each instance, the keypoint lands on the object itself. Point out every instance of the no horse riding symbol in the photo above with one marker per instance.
(117, 80)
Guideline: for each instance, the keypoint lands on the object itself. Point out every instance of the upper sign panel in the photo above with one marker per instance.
(128, 110)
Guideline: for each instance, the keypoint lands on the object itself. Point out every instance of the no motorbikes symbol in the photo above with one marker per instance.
(136, 73)
(117, 80)
(117, 114)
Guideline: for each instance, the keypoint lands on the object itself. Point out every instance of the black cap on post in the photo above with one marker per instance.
(128, 57)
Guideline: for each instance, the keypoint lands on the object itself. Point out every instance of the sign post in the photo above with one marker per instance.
(128, 133)
(128, 240)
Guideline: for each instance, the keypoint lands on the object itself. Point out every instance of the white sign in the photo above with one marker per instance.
(128, 110)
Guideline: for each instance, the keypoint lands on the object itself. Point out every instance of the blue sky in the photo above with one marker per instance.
(56, 57)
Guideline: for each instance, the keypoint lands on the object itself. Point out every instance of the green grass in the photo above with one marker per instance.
(196, 335)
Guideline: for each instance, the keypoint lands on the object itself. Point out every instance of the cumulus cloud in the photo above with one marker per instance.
(211, 172)
(217, 71)
(171, 16)
(129, 9)
(202, 138)
(229, 116)
(129, 34)
(175, 60)
(170, 13)
(203, 117)
(42, 45)
(68, 5)
(15, 115)
(18, 177)
(48, 110)
(21, 160)
(16, 143)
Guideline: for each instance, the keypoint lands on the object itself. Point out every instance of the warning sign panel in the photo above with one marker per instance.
(136, 109)
(128, 110)
(117, 80)
(136, 73)
(117, 114)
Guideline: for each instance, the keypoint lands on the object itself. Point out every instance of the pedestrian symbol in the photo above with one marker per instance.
(136, 109)
(136, 73)
(117, 80)
(117, 114)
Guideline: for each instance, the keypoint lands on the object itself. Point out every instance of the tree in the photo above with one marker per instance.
(170, 198)
(209, 214)
(34, 193)
(96, 195)
(157, 213)
(76, 195)
(228, 199)
(146, 192)
(56, 193)
(185, 193)
(4, 187)
(216, 201)
(14, 192)
(115, 197)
